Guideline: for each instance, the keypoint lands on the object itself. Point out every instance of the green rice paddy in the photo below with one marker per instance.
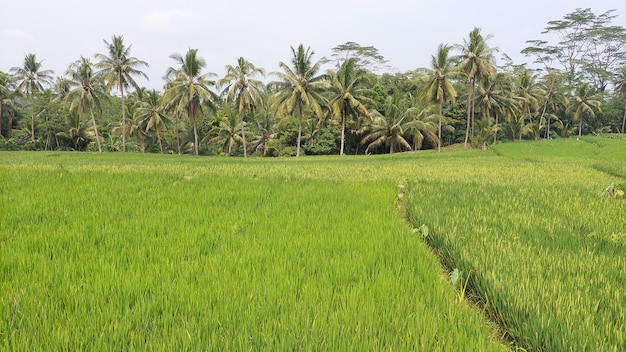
(151, 252)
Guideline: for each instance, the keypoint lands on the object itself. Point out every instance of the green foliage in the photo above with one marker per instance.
(325, 143)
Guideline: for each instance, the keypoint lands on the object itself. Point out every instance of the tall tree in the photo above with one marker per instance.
(265, 131)
(300, 87)
(117, 68)
(476, 59)
(32, 78)
(243, 90)
(588, 46)
(391, 127)
(554, 100)
(585, 102)
(152, 113)
(365, 57)
(7, 102)
(621, 90)
(188, 88)
(349, 89)
(440, 88)
(494, 97)
(226, 131)
(83, 96)
(529, 94)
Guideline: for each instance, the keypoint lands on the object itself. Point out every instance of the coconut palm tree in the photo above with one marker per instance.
(300, 87)
(7, 101)
(425, 124)
(349, 89)
(585, 102)
(476, 59)
(390, 127)
(530, 94)
(554, 101)
(83, 95)
(188, 88)
(117, 68)
(152, 113)
(226, 131)
(265, 124)
(32, 78)
(243, 90)
(493, 96)
(440, 88)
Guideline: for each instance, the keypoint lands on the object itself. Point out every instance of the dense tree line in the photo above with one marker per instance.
(578, 87)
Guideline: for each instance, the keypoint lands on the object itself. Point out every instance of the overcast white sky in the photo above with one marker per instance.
(406, 32)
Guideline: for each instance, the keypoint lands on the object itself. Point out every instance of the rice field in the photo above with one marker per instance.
(149, 252)
(545, 252)
(152, 252)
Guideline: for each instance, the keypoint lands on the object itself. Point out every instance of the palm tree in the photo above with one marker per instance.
(152, 113)
(300, 86)
(621, 90)
(264, 131)
(529, 93)
(485, 129)
(83, 96)
(425, 124)
(390, 127)
(585, 102)
(7, 102)
(494, 96)
(476, 60)
(554, 101)
(349, 89)
(243, 90)
(31, 78)
(188, 88)
(117, 69)
(440, 88)
(226, 131)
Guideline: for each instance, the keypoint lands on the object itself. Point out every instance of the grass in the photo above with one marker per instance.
(546, 250)
(150, 252)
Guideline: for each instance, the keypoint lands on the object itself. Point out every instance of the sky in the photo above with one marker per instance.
(405, 32)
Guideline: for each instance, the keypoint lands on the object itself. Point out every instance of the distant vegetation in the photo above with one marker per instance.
(576, 86)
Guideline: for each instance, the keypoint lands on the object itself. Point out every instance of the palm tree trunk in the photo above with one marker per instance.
(439, 132)
(299, 130)
(10, 121)
(580, 127)
(48, 133)
(343, 130)
(624, 121)
(123, 121)
(195, 128)
(495, 133)
(243, 134)
(95, 128)
(469, 112)
(160, 142)
(32, 127)
(177, 133)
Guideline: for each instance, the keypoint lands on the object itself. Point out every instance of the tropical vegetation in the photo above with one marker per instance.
(316, 105)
